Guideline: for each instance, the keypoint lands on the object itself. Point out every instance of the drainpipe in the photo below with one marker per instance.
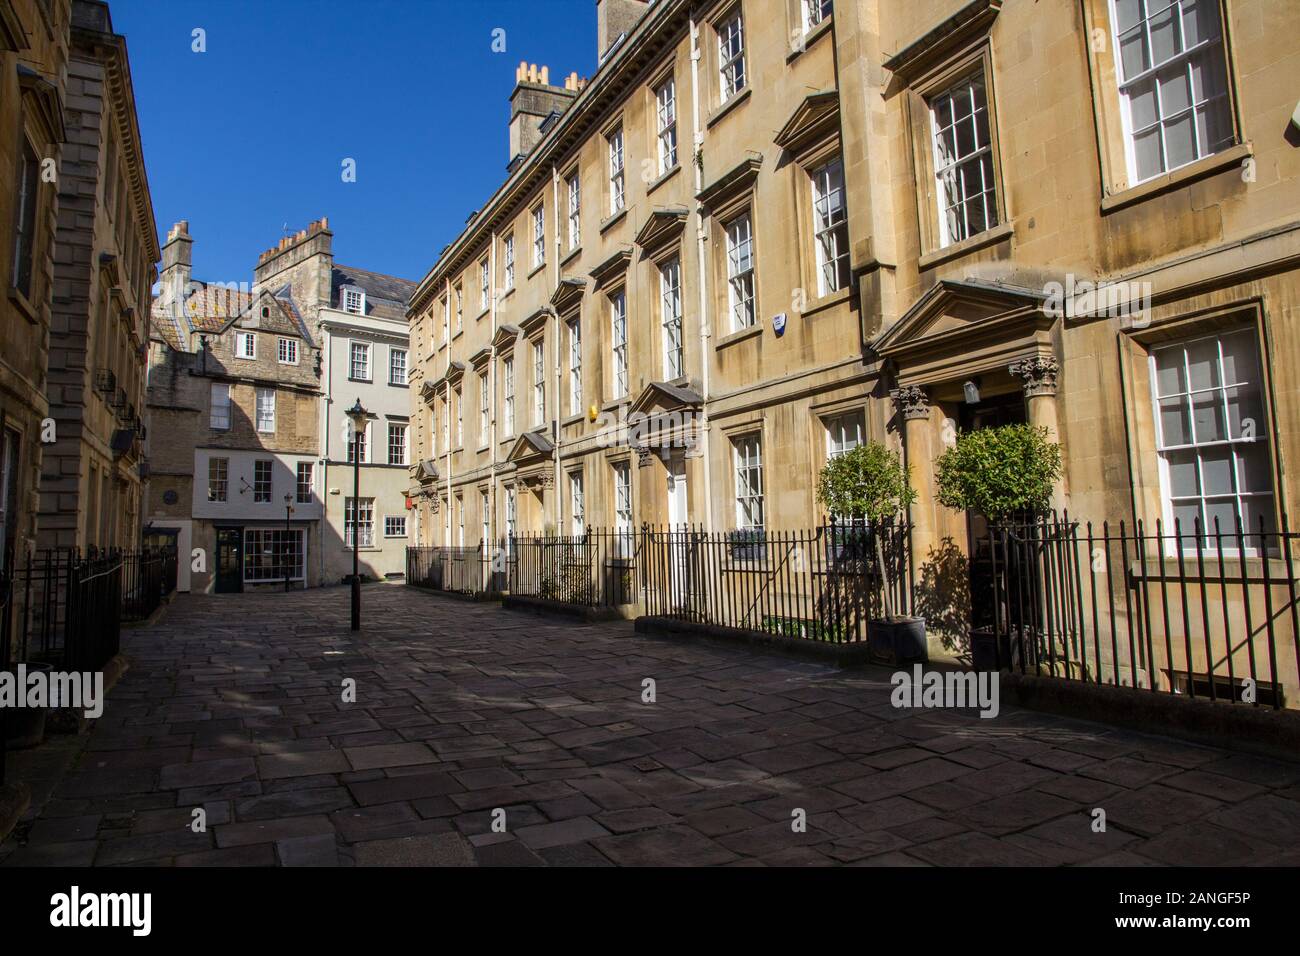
(325, 451)
(557, 378)
(701, 258)
(492, 382)
(446, 314)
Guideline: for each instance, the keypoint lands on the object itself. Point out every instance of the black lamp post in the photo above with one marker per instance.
(357, 415)
(288, 547)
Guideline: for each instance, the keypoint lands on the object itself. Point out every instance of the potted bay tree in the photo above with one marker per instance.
(1000, 473)
(870, 484)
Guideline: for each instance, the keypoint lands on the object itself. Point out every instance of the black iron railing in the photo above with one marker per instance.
(593, 569)
(147, 577)
(92, 635)
(477, 570)
(1205, 612)
(821, 584)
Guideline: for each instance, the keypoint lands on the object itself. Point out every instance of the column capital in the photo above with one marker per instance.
(1039, 374)
(913, 401)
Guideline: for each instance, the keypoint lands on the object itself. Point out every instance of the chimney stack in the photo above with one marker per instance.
(615, 18)
(533, 100)
(177, 263)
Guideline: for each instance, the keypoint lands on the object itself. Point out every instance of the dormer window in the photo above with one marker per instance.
(354, 301)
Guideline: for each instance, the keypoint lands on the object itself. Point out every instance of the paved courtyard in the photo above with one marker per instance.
(234, 704)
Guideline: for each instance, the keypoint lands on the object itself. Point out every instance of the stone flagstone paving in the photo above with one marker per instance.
(233, 703)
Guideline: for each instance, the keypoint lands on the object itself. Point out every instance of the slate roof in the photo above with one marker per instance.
(386, 296)
(209, 308)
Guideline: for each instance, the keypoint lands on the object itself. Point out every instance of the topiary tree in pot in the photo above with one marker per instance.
(870, 483)
(998, 472)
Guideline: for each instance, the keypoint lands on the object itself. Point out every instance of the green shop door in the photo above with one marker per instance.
(230, 560)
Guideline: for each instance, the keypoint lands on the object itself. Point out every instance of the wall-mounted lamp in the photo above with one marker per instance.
(971, 390)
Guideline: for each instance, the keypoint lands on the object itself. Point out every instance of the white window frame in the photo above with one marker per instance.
(219, 412)
(953, 226)
(508, 393)
(666, 122)
(732, 78)
(459, 292)
(264, 405)
(747, 467)
(844, 432)
(401, 431)
(485, 282)
(830, 226)
(363, 365)
(623, 508)
(617, 171)
(263, 480)
(670, 317)
(460, 521)
(304, 479)
(397, 366)
(1261, 501)
(485, 506)
(539, 382)
(246, 345)
(1207, 53)
(574, 327)
(360, 438)
(814, 13)
(218, 479)
(741, 272)
(388, 526)
(575, 210)
(287, 351)
(364, 517)
(577, 505)
(460, 417)
(539, 235)
(484, 407)
(618, 341)
(508, 257)
(354, 301)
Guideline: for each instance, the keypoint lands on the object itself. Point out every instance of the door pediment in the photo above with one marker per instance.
(962, 327)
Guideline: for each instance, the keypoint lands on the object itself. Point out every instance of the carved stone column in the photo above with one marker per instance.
(1039, 373)
(913, 404)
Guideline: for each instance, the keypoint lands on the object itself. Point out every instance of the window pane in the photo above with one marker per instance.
(1133, 52)
(1142, 104)
(1175, 429)
(1203, 363)
(1254, 470)
(1200, 21)
(1180, 142)
(1217, 466)
(1164, 36)
(1146, 154)
(1169, 372)
(1207, 417)
(1175, 92)
(1182, 474)
(1245, 412)
(1255, 510)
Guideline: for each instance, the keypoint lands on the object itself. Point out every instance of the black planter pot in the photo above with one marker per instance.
(25, 726)
(898, 641)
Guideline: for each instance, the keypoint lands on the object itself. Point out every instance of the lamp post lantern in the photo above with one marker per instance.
(357, 415)
(288, 546)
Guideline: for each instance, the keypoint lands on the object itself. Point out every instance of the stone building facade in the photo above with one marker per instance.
(638, 267)
(33, 88)
(885, 221)
(239, 401)
(93, 474)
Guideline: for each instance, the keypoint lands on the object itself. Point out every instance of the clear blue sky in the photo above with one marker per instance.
(251, 134)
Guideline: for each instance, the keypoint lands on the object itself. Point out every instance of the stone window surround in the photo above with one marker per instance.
(731, 194)
(1135, 352)
(1116, 190)
(976, 57)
